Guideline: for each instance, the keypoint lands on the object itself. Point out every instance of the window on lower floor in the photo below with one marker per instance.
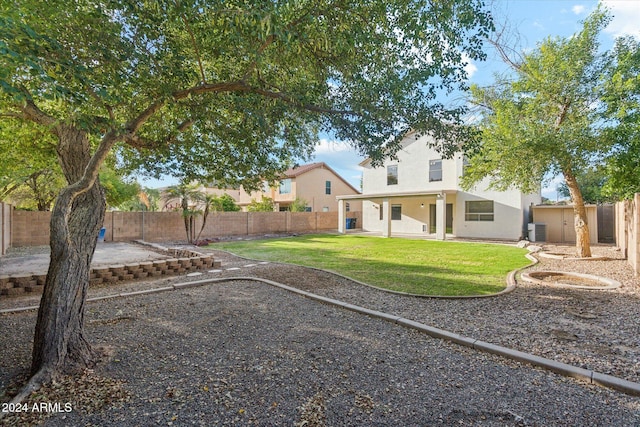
(478, 210)
(396, 212)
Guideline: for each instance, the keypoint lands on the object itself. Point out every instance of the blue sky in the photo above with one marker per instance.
(534, 20)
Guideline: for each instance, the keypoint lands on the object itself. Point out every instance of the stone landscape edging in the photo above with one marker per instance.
(187, 260)
(590, 376)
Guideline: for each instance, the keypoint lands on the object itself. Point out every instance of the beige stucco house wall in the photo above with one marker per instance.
(316, 183)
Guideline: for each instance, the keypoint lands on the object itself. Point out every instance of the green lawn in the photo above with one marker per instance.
(424, 267)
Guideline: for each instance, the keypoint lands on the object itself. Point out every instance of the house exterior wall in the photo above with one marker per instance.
(309, 186)
(511, 207)
(413, 171)
(511, 213)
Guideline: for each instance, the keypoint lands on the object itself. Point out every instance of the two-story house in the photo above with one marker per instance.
(420, 194)
(314, 183)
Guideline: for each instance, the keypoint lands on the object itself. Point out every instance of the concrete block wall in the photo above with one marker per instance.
(300, 222)
(225, 224)
(160, 226)
(5, 227)
(32, 228)
(329, 220)
(267, 222)
(628, 230)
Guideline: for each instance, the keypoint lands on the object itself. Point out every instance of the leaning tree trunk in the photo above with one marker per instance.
(583, 243)
(59, 343)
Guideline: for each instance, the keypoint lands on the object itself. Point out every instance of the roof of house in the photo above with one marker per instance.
(299, 170)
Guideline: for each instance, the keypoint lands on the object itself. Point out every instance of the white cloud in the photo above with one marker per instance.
(342, 158)
(325, 146)
(626, 15)
(470, 67)
(578, 9)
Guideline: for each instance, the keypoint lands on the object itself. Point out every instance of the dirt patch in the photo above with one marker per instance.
(571, 280)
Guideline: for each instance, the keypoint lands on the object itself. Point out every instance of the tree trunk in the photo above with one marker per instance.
(59, 344)
(583, 243)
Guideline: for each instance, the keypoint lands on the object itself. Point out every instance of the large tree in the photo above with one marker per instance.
(227, 91)
(623, 108)
(545, 118)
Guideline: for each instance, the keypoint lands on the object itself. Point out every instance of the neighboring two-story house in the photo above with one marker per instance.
(315, 183)
(420, 194)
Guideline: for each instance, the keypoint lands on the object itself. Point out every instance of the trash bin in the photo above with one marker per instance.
(103, 231)
(349, 223)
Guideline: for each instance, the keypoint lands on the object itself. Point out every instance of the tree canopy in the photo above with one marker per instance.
(229, 92)
(232, 90)
(546, 118)
(622, 97)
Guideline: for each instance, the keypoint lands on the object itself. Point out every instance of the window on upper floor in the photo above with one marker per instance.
(285, 186)
(435, 170)
(478, 210)
(465, 164)
(392, 174)
(327, 187)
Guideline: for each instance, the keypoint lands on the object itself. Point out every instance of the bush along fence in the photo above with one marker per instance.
(32, 228)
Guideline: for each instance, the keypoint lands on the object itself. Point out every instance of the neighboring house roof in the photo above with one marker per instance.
(299, 170)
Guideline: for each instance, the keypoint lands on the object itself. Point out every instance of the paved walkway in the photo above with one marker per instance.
(35, 260)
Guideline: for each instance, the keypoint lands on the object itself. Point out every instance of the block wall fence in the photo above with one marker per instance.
(27, 228)
(628, 230)
(5, 227)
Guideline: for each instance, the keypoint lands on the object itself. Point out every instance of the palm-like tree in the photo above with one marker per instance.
(186, 193)
(209, 201)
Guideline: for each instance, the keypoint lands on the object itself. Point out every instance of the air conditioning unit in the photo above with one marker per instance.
(537, 232)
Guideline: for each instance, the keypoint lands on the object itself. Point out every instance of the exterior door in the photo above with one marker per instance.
(449, 218)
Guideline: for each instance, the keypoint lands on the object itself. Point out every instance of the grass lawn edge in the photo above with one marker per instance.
(510, 279)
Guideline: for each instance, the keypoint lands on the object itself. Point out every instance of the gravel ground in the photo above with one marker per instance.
(245, 353)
